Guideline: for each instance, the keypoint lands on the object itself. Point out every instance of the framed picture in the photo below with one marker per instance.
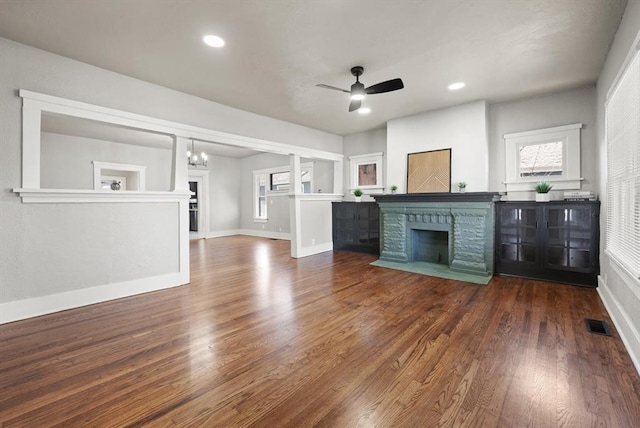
(366, 172)
(429, 172)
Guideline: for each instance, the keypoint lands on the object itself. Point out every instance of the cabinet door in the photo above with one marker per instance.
(344, 217)
(517, 235)
(368, 224)
(569, 238)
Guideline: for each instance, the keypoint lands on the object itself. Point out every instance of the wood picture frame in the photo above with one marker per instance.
(429, 172)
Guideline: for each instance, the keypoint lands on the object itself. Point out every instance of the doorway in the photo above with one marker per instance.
(198, 204)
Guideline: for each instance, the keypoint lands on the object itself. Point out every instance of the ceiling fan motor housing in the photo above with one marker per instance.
(357, 71)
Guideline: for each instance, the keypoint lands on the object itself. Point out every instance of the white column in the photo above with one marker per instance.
(180, 183)
(179, 174)
(338, 176)
(31, 122)
(295, 183)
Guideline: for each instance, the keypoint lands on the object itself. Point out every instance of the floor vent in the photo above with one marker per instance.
(597, 327)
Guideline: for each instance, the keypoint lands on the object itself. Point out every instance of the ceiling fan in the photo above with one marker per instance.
(358, 91)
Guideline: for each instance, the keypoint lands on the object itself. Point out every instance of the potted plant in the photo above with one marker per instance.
(462, 186)
(394, 188)
(358, 194)
(542, 191)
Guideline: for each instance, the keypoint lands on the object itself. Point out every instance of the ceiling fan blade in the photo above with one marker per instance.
(388, 86)
(355, 105)
(332, 87)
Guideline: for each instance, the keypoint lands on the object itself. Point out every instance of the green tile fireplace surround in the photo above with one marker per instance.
(450, 235)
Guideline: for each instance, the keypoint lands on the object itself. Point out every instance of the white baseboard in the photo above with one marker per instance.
(265, 234)
(316, 249)
(628, 332)
(28, 308)
(222, 233)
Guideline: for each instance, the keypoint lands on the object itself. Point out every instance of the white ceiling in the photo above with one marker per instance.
(277, 51)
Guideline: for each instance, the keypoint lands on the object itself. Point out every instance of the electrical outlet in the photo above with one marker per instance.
(313, 241)
(279, 228)
(263, 226)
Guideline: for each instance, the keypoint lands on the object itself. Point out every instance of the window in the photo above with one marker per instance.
(276, 181)
(366, 172)
(549, 154)
(260, 191)
(622, 133)
(540, 160)
(279, 181)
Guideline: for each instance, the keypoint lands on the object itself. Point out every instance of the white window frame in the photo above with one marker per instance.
(569, 179)
(267, 173)
(623, 200)
(366, 159)
(256, 197)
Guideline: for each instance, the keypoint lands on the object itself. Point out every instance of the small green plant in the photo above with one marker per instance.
(394, 188)
(357, 193)
(462, 184)
(543, 187)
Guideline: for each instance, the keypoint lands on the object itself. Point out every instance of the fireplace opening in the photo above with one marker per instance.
(430, 246)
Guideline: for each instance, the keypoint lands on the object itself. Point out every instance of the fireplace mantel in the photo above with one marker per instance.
(440, 197)
(468, 218)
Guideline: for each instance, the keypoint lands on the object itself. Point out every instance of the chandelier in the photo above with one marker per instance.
(194, 160)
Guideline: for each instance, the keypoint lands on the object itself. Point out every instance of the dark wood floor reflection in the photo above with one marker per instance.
(261, 339)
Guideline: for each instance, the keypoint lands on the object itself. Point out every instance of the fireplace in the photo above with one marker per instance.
(452, 230)
(431, 246)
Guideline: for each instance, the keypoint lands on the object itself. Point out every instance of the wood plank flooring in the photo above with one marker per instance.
(260, 339)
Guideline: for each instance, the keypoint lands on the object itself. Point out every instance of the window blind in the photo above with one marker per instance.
(623, 169)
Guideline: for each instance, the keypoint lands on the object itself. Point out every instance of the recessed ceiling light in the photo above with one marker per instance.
(213, 41)
(364, 110)
(456, 86)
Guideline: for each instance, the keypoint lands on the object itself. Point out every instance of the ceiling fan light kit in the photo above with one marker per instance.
(358, 90)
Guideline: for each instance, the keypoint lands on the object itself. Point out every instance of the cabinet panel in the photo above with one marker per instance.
(556, 241)
(517, 234)
(356, 227)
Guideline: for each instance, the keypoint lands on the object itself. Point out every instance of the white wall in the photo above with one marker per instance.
(277, 205)
(33, 235)
(374, 141)
(322, 175)
(554, 109)
(66, 161)
(316, 223)
(462, 128)
(619, 291)
(224, 195)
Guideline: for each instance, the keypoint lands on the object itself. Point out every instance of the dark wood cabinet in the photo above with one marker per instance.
(356, 227)
(554, 241)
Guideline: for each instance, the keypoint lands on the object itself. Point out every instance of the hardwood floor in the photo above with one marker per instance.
(261, 339)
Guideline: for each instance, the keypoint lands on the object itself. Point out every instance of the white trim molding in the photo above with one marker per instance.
(58, 196)
(570, 176)
(315, 249)
(36, 103)
(367, 159)
(623, 321)
(27, 308)
(265, 234)
(222, 233)
(203, 200)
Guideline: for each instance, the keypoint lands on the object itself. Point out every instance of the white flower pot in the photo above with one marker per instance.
(542, 197)
(358, 198)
